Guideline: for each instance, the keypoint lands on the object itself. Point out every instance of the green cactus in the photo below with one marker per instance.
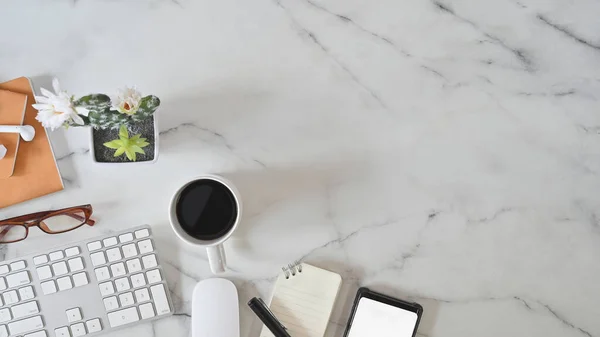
(148, 105)
(101, 116)
(108, 119)
(94, 102)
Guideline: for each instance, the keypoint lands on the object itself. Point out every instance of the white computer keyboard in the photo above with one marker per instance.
(88, 287)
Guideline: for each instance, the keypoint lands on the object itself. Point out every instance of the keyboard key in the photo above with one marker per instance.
(26, 293)
(62, 332)
(72, 251)
(160, 299)
(60, 268)
(92, 246)
(122, 284)
(4, 315)
(111, 303)
(48, 287)
(64, 283)
(134, 265)
(145, 246)
(149, 261)
(147, 310)
(17, 265)
(138, 280)
(142, 295)
(118, 269)
(125, 237)
(102, 273)
(25, 309)
(40, 259)
(142, 233)
(76, 264)
(109, 241)
(56, 255)
(10, 297)
(153, 276)
(129, 250)
(93, 325)
(106, 288)
(41, 333)
(2, 283)
(4, 269)
(18, 279)
(3, 331)
(73, 315)
(98, 258)
(114, 254)
(80, 279)
(44, 273)
(126, 299)
(122, 317)
(78, 329)
(25, 325)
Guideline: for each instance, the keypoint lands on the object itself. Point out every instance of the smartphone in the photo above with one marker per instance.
(375, 314)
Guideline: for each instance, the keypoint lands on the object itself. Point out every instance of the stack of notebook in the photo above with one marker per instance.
(28, 169)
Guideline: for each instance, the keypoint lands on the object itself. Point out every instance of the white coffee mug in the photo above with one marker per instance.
(214, 247)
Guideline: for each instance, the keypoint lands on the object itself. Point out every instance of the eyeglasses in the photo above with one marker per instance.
(51, 222)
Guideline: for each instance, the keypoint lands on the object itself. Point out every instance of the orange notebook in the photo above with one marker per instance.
(36, 173)
(12, 112)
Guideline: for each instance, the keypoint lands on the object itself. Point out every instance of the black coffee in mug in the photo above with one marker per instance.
(206, 209)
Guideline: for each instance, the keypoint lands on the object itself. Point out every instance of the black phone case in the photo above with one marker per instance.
(365, 292)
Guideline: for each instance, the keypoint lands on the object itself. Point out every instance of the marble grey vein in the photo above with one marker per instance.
(564, 30)
(348, 20)
(313, 38)
(520, 54)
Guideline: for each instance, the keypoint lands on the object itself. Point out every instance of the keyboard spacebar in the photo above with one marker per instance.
(25, 325)
(122, 317)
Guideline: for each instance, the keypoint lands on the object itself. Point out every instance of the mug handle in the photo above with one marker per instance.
(216, 258)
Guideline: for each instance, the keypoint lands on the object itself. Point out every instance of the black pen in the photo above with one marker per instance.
(267, 317)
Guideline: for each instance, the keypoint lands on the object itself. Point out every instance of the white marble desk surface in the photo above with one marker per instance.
(445, 151)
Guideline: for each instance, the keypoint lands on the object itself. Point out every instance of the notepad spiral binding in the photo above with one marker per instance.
(292, 269)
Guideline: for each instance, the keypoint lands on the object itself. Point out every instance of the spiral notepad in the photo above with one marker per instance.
(303, 300)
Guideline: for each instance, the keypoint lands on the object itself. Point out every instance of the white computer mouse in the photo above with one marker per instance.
(215, 309)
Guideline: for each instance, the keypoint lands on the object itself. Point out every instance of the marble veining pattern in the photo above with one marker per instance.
(443, 151)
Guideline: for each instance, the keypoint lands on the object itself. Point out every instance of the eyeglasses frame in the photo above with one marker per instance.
(36, 220)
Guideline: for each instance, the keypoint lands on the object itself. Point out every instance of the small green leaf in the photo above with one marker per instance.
(137, 149)
(130, 154)
(119, 151)
(141, 144)
(113, 144)
(123, 132)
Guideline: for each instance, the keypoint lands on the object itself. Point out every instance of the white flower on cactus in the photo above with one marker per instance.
(127, 101)
(56, 109)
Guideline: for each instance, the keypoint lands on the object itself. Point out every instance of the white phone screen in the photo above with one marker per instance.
(373, 318)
